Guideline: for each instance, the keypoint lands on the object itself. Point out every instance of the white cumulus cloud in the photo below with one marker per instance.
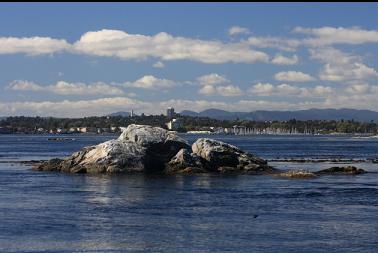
(215, 84)
(159, 65)
(73, 108)
(325, 36)
(238, 30)
(341, 66)
(267, 89)
(262, 89)
(323, 90)
(152, 83)
(32, 45)
(24, 85)
(293, 76)
(283, 60)
(285, 44)
(226, 91)
(66, 88)
(120, 44)
(212, 79)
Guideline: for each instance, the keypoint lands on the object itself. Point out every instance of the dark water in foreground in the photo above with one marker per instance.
(52, 212)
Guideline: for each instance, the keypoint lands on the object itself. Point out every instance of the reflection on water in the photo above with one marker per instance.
(53, 212)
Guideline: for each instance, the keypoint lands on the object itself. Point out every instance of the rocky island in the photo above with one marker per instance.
(148, 149)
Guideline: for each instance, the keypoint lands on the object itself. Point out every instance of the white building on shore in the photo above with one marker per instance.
(174, 124)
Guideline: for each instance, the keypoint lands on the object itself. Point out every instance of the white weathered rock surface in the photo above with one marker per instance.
(147, 135)
(139, 149)
(115, 156)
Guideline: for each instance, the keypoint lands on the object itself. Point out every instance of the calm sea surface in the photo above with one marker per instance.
(54, 212)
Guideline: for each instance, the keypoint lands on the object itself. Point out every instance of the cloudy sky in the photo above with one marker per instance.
(93, 59)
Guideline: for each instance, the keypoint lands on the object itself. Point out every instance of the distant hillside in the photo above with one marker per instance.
(189, 113)
(123, 114)
(310, 114)
(215, 114)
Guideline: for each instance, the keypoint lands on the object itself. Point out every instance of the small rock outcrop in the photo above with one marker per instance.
(223, 157)
(347, 170)
(149, 149)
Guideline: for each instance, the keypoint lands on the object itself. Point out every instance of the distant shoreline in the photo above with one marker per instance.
(185, 124)
(353, 135)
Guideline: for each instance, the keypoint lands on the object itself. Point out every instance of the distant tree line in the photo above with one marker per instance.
(30, 124)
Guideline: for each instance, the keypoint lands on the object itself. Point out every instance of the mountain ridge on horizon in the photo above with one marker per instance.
(306, 114)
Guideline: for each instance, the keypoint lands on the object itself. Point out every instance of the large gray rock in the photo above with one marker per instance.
(223, 157)
(138, 149)
(112, 156)
(152, 149)
(160, 145)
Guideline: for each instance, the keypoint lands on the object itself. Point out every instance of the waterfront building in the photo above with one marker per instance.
(174, 124)
(61, 131)
(88, 129)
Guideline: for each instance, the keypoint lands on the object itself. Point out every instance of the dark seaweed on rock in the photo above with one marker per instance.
(341, 170)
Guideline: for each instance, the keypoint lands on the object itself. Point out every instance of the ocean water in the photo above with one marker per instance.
(56, 212)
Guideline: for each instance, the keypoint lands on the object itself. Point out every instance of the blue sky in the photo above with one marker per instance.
(67, 59)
